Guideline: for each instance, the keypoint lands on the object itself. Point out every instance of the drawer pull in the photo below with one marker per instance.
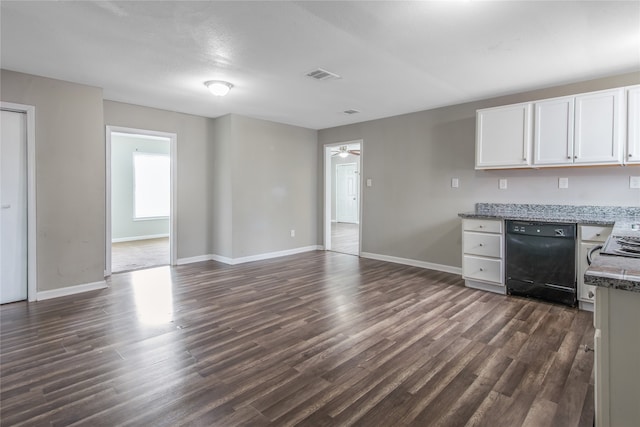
(590, 294)
(598, 234)
(481, 269)
(481, 244)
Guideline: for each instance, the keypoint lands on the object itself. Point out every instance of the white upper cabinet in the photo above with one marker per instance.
(633, 125)
(578, 130)
(503, 137)
(599, 127)
(553, 142)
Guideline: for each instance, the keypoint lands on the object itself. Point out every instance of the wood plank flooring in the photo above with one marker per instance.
(316, 339)
(345, 238)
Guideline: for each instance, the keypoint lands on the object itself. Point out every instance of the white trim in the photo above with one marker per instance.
(173, 153)
(32, 270)
(270, 255)
(251, 258)
(71, 290)
(413, 263)
(136, 238)
(327, 192)
(199, 258)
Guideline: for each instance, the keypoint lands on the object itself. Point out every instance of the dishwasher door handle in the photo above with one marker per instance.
(590, 253)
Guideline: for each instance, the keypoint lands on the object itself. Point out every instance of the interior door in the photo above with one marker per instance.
(347, 192)
(13, 207)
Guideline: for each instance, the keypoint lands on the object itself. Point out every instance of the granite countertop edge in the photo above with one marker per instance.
(550, 218)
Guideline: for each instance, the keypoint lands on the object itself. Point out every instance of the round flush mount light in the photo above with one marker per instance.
(218, 87)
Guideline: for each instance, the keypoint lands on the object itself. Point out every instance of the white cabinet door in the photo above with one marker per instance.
(633, 125)
(553, 142)
(598, 127)
(503, 137)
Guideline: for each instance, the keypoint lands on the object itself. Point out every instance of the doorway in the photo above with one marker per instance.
(140, 199)
(343, 183)
(17, 203)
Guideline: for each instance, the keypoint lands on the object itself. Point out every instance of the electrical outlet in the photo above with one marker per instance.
(634, 182)
(502, 184)
(293, 233)
(563, 182)
(455, 183)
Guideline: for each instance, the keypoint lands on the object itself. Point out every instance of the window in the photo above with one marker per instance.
(151, 175)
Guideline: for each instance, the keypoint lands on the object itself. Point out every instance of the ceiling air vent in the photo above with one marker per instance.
(351, 111)
(320, 74)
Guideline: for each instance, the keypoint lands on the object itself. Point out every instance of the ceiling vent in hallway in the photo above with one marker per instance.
(320, 74)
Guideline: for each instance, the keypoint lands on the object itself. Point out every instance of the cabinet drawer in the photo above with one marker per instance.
(482, 225)
(482, 244)
(594, 233)
(485, 269)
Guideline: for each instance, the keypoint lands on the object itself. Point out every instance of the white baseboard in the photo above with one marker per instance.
(134, 238)
(278, 254)
(70, 290)
(199, 258)
(222, 259)
(413, 262)
(251, 258)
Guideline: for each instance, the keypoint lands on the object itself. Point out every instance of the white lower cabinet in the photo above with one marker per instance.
(483, 254)
(589, 236)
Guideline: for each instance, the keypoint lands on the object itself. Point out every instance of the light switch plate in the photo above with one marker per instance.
(369, 182)
(634, 182)
(455, 183)
(502, 184)
(563, 182)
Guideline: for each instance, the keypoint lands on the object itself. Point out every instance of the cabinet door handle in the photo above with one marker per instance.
(591, 294)
(481, 245)
(569, 157)
(481, 269)
(630, 155)
(575, 157)
(598, 234)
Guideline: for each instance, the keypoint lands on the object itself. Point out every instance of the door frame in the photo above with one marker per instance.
(336, 177)
(327, 192)
(173, 139)
(32, 270)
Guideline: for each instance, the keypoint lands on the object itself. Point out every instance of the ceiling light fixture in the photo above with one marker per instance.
(218, 87)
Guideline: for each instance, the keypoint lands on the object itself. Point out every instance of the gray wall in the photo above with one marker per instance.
(193, 141)
(266, 173)
(123, 225)
(70, 187)
(411, 210)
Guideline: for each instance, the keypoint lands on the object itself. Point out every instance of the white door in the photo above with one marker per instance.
(347, 192)
(13, 208)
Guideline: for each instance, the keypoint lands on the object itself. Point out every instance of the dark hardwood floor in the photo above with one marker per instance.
(316, 339)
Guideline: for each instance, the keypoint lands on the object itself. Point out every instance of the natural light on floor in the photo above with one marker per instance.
(153, 295)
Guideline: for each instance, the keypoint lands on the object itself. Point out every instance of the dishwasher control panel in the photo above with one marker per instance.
(541, 229)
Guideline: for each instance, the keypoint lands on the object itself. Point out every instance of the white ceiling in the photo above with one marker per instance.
(393, 57)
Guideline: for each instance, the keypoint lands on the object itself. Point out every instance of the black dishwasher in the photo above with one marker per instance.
(541, 261)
